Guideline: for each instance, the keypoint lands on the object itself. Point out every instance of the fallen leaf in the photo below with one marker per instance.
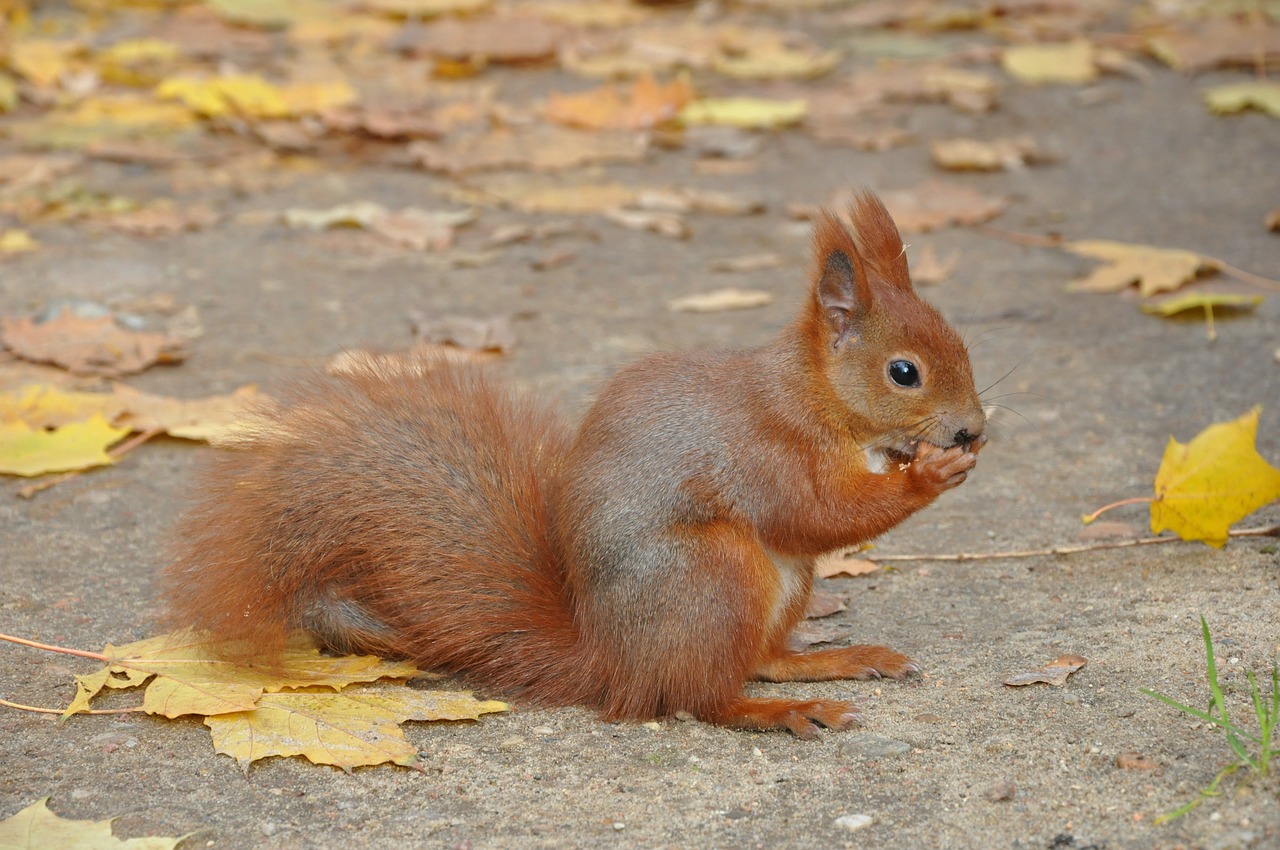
(744, 112)
(825, 604)
(720, 300)
(929, 82)
(390, 123)
(426, 8)
(501, 39)
(88, 346)
(1218, 42)
(359, 214)
(36, 827)
(348, 729)
(17, 242)
(41, 61)
(554, 259)
(162, 219)
(1205, 486)
(492, 334)
(105, 119)
(975, 155)
(420, 230)
(29, 452)
(538, 148)
(761, 54)
(1261, 95)
(1155, 270)
(843, 564)
(1206, 301)
(251, 96)
(931, 270)
(1054, 673)
(536, 195)
(667, 224)
(210, 419)
(1038, 64)
(808, 633)
(187, 676)
(747, 263)
(699, 200)
(640, 106)
(933, 205)
(1272, 221)
(596, 13)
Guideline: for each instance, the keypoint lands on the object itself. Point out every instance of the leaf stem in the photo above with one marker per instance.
(1088, 518)
(97, 656)
(39, 710)
(1264, 531)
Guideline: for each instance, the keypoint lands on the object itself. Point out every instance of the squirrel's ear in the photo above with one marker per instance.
(841, 288)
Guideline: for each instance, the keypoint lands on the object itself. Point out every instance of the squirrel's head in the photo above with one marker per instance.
(900, 372)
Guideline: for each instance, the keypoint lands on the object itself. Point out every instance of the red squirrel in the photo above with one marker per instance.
(652, 561)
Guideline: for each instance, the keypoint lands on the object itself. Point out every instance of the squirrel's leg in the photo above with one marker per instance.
(853, 662)
(802, 717)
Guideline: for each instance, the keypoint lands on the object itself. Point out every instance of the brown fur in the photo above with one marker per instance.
(652, 562)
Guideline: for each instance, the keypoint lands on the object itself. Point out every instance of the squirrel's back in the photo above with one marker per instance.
(398, 507)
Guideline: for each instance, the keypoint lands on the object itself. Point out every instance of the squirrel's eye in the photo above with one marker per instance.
(904, 373)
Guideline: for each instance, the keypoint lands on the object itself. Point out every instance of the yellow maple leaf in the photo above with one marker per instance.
(1205, 301)
(29, 452)
(745, 112)
(1213, 481)
(1070, 62)
(1262, 95)
(190, 678)
(347, 729)
(36, 826)
(236, 94)
(1153, 269)
(17, 242)
(41, 61)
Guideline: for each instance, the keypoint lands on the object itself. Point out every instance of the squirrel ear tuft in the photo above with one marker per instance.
(878, 240)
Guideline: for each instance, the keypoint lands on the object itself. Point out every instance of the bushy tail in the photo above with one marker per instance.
(400, 508)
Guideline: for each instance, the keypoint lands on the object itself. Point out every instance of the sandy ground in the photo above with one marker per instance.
(950, 759)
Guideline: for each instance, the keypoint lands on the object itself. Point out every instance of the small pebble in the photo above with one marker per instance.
(618, 826)
(853, 823)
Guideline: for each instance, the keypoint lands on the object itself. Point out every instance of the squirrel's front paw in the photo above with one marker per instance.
(940, 469)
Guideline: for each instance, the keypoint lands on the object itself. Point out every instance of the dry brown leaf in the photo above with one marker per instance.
(699, 200)
(929, 82)
(554, 259)
(667, 224)
(825, 604)
(1218, 43)
(639, 106)
(495, 333)
(534, 194)
(934, 205)
(720, 300)
(1054, 673)
(537, 148)
(1010, 154)
(809, 633)
(94, 346)
(499, 39)
(162, 219)
(930, 270)
(395, 124)
(843, 564)
(1272, 221)
(747, 263)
